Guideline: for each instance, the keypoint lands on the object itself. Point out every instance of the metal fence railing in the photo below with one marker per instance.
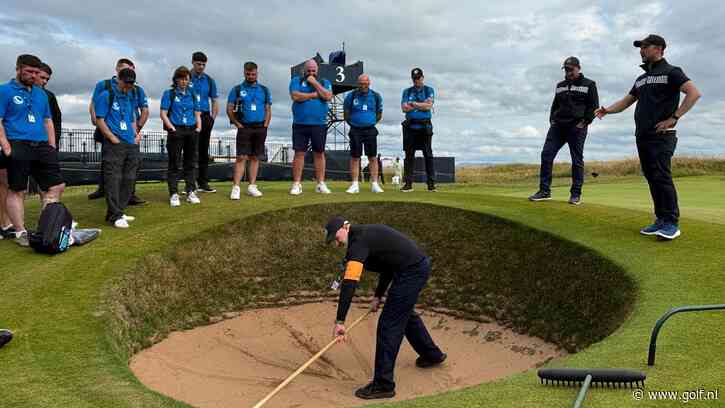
(79, 143)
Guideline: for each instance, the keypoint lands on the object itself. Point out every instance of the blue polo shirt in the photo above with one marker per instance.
(141, 99)
(414, 94)
(182, 111)
(253, 98)
(118, 113)
(311, 111)
(362, 108)
(204, 87)
(23, 112)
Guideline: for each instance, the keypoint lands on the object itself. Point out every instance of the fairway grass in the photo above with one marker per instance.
(65, 353)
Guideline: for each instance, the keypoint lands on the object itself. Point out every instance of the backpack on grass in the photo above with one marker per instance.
(54, 230)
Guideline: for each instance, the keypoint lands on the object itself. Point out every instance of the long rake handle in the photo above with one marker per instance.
(307, 364)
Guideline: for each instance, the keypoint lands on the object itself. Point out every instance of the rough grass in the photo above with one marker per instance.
(484, 268)
(512, 173)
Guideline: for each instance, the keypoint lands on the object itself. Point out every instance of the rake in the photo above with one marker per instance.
(585, 377)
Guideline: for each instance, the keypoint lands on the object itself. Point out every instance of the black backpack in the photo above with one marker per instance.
(238, 109)
(54, 230)
(97, 135)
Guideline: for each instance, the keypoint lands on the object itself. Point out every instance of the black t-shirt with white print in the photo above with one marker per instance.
(658, 95)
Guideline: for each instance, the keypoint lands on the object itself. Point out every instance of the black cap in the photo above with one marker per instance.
(416, 73)
(127, 75)
(571, 62)
(652, 39)
(333, 225)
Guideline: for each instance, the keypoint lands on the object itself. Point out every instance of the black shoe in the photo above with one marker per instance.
(575, 200)
(374, 391)
(205, 188)
(5, 337)
(8, 232)
(540, 196)
(135, 200)
(407, 188)
(425, 363)
(432, 187)
(96, 194)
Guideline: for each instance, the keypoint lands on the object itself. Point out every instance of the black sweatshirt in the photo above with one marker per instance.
(574, 101)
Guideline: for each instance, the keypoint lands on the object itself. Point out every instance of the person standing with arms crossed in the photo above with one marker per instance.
(310, 96)
(657, 93)
(417, 103)
(249, 108)
(205, 89)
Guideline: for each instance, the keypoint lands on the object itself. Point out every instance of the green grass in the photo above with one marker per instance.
(67, 353)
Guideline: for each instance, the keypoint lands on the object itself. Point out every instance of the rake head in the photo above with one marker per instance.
(601, 377)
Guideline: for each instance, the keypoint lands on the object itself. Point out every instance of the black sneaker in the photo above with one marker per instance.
(407, 188)
(96, 194)
(374, 391)
(8, 232)
(206, 189)
(136, 200)
(432, 188)
(5, 337)
(425, 363)
(540, 196)
(575, 200)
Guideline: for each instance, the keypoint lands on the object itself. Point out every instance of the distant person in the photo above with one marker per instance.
(363, 109)
(417, 103)
(181, 117)
(657, 93)
(381, 176)
(575, 99)
(397, 171)
(27, 138)
(141, 115)
(5, 337)
(399, 261)
(115, 117)
(249, 108)
(310, 96)
(205, 88)
(42, 81)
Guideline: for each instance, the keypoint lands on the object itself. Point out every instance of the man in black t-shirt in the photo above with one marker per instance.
(657, 93)
(398, 260)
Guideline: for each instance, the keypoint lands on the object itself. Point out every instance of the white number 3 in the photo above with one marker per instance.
(340, 74)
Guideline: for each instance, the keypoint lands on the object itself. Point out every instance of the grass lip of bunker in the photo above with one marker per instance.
(484, 268)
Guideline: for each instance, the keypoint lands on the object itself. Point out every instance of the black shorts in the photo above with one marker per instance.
(4, 160)
(363, 138)
(37, 159)
(303, 135)
(250, 140)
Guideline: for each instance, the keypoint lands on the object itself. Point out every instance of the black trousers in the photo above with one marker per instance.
(182, 146)
(398, 319)
(655, 157)
(207, 123)
(101, 182)
(418, 139)
(120, 164)
(556, 138)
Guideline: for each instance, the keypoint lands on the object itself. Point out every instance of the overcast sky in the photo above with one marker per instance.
(494, 65)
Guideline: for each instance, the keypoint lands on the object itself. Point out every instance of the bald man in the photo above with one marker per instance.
(310, 95)
(363, 109)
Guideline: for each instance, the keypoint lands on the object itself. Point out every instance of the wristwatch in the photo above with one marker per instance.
(675, 117)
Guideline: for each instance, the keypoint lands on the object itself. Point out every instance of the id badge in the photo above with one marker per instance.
(253, 107)
(365, 107)
(31, 118)
(198, 98)
(123, 125)
(184, 120)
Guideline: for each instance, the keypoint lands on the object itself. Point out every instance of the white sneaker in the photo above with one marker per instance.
(128, 218)
(296, 189)
(322, 188)
(253, 191)
(236, 191)
(353, 189)
(375, 188)
(174, 200)
(192, 198)
(120, 223)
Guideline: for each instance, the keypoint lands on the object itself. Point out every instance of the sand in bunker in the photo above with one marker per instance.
(235, 363)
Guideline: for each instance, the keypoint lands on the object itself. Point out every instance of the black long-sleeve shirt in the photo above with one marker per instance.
(574, 101)
(56, 116)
